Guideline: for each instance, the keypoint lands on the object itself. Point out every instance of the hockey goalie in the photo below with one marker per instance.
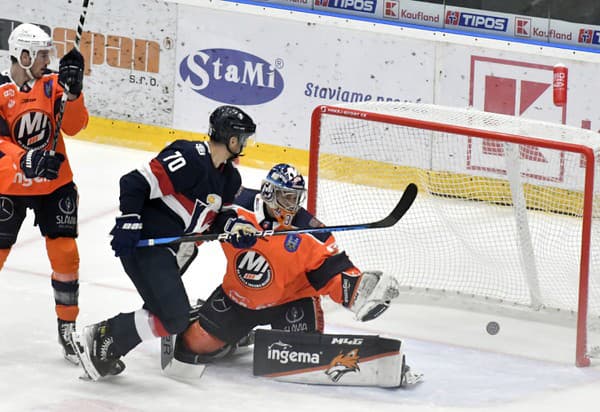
(277, 281)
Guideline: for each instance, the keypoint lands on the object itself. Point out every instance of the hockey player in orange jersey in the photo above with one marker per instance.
(278, 280)
(41, 179)
(9, 160)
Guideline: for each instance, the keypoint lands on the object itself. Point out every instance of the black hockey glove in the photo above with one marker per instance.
(126, 234)
(70, 71)
(242, 233)
(41, 163)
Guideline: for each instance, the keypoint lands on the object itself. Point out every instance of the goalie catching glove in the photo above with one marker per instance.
(373, 295)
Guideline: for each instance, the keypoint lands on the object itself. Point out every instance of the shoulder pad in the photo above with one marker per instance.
(304, 219)
(245, 198)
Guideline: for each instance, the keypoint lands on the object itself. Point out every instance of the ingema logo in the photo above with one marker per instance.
(231, 76)
(282, 353)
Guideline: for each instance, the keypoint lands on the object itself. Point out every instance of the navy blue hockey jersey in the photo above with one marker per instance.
(179, 191)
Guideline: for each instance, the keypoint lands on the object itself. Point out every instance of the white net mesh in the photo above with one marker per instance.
(494, 222)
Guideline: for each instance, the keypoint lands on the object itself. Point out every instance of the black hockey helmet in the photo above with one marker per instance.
(228, 121)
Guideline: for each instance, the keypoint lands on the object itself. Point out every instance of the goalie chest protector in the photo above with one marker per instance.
(325, 359)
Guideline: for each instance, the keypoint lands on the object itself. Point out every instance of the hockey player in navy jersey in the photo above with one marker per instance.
(182, 190)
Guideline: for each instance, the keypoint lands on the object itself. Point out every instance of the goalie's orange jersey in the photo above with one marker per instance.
(28, 121)
(277, 269)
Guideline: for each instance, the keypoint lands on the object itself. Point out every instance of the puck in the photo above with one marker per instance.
(492, 328)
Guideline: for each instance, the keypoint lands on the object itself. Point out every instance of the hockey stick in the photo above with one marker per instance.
(63, 98)
(167, 343)
(407, 199)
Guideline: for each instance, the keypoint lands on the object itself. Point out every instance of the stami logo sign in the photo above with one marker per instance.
(231, 76)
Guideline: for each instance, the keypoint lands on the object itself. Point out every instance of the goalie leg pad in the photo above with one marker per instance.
(325, 359)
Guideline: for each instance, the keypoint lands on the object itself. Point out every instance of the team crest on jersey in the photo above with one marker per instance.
(253, 269)
(291, 243)
(213, 199)
(32, 130)
(342, 364)
(48, 88)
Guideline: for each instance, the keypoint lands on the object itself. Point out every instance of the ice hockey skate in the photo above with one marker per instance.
(65, 329)
(409, 377)
(94, 348)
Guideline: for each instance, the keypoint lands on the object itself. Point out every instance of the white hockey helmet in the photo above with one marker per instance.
(30, 38)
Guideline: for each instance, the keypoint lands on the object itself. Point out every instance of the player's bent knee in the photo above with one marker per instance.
(7, 243)
(63, 255)
(175, 325)
(198, 340)
(3, 255)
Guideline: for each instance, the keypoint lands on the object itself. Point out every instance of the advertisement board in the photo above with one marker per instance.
(280, 79)
(129, 73)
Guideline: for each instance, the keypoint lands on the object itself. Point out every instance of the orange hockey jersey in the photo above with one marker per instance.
(28, 121)
(8, 165)
(280, 269)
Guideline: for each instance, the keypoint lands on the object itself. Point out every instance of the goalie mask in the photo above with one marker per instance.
(229, 121)
(283, 191)
(30, 38)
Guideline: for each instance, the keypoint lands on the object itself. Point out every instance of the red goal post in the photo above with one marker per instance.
(507, 214)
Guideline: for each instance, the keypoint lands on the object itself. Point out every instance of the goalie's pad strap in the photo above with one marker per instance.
(349, 360)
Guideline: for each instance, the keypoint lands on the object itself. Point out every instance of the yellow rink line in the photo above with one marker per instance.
(154, 138)
(263, 156)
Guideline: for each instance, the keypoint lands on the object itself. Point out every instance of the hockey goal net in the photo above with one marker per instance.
(507, 214)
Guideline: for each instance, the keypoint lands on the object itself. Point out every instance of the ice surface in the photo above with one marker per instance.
(525, 367)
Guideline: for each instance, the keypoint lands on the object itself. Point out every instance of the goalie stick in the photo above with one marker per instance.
(63, 99)
(407, 199)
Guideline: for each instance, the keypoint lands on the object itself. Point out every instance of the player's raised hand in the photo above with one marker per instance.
(70, 71)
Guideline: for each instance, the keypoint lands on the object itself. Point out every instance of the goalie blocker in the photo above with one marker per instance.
(325, 359)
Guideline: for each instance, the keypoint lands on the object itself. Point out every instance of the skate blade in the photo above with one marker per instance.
(85, 377)
(84, 360)
(183, 371)
(73, 359)
(412, 378)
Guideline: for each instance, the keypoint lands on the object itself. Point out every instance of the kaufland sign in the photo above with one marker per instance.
(424, 14)
(537, 29)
